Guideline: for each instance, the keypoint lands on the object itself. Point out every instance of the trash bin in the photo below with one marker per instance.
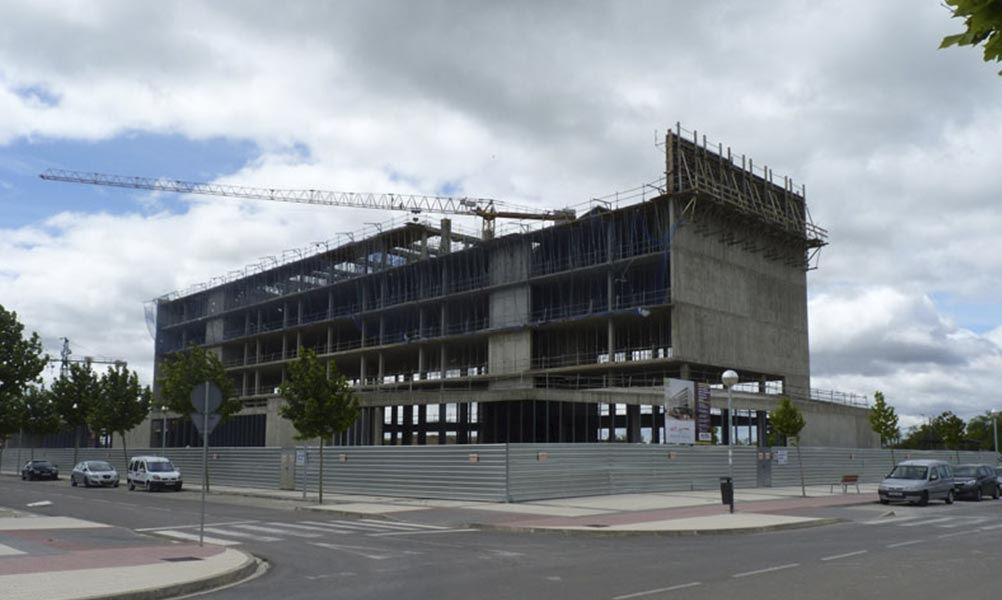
(727, 491)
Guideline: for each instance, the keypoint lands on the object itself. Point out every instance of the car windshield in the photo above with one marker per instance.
(965, 471)
(160, 467)
(908, 472)
(41, 463)
(98, 465)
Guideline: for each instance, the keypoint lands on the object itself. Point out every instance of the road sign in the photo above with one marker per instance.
(198, 420)
(206, 398)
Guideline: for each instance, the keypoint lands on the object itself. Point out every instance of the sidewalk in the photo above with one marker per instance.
(675, 513)
(62, 558)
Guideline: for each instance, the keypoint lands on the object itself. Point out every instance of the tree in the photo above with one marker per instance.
(922, 437)
(121, 404)
(981, 430)
(951, 430)
(21, 362)
(39, 415)
(181, 372)
(982, 24)
(787, 422)
(319, 402)
(884, 422)
(73, 397)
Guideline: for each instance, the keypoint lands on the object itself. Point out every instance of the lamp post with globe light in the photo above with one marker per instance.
(729, 378)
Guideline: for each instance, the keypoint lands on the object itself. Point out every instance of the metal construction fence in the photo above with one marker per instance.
(510, 472)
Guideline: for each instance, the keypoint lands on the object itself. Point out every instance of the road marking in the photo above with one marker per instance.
(398, 533)
(886, 521)
(195, 526)
(340, 524)
(241, 534)
(846, 555)
(946, 535)
(991, 527)
(417, 525)
(333, 528)
(306, 527)
(899, 544)
(354, 550)
(964, 521)
(8, 551)
(929, 522)
(277, 531)
(658, 591)
(769, 570)
(193, 537)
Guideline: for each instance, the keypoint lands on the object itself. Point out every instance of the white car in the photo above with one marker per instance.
(153, 473)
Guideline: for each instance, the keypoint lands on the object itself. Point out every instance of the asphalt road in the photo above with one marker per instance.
(936, 551)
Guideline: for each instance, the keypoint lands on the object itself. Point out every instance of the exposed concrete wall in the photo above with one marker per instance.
(509, 351)
(278, 431)
(735, 307)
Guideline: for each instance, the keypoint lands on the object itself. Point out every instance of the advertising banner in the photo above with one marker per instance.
(679, 405)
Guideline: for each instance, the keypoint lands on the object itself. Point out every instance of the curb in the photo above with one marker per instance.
(660, 533)
(246, 569)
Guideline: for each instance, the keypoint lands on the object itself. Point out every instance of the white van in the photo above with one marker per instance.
(153, 473)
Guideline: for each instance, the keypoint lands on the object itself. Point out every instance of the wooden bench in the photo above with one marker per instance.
(845, 482)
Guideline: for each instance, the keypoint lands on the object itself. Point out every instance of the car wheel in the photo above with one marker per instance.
(132, 486)
(949, 497)
(178, 488)
(86, 482)
(995, 493)
(73, 482)
(978, 494)
(115, 484)
(885, 501)
(924, 499)
(23, 477)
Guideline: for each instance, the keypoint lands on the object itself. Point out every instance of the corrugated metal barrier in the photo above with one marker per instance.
(509, 472)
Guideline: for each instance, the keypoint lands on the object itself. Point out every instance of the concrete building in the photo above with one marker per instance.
(560, 334)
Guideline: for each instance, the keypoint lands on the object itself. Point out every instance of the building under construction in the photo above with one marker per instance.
(562, 333)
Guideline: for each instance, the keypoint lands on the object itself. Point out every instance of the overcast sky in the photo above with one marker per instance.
(540, 103)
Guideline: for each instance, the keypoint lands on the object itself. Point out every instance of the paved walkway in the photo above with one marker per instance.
(61, 558)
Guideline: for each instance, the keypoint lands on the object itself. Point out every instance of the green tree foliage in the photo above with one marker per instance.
(951, 430)
(982, 24)
(981, 431)
(121, 404)
(922, 437)
(39, 413)
(21, 362)
(181, 372)
(884, 422)
(73, 396)
(786, 421)
(319, 402)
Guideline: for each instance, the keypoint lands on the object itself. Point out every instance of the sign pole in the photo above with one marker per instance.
(205, 460)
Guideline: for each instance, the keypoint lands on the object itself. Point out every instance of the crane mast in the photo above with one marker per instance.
(485, 208)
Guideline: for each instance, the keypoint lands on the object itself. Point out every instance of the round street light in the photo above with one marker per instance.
(729, 378)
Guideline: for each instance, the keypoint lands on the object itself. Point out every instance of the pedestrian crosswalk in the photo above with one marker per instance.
(235, 533)
(948, 522)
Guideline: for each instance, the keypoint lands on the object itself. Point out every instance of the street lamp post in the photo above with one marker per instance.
(995, 431)
(163, 411)
(729, 378)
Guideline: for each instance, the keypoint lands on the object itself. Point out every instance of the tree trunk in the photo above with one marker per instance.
(321, 470)
(125, 451)
(76, 444)
(803, 488)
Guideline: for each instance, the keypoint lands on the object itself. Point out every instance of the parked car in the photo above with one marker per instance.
(998, 475)
(153, 473)
(94, 472)
(39, 469)
(918, 481)
(975, 482)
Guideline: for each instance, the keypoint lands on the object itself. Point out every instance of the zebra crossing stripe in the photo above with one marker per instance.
(420, 532)
(275, 531)
(193, 537)
(336, 527)
(928, 522)
(241, 534)
(311, 527)
(409, 525)
(370, 525)
(6, 550)
(888, 521)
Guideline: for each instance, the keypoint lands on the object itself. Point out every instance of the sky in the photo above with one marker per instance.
(540, 103)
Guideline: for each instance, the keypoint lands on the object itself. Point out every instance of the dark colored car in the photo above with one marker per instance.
(39, 469)
(975, 481)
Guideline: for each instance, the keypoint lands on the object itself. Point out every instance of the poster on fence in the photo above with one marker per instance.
(679, 404)
(704, 422)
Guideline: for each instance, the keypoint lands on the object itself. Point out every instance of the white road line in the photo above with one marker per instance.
(899, 544)
(277, 531)
(991, 527)
(375, 525)
(241, 534)
(846, 555)
(888, 520)
(769, 570)
(398, 533)
(964, 522)
(336, 528)
(417, 525)
(358, 550)
(306, 527)
(947, 535)
(657, 591)
(193, 537)
(195, 526)
(8, 551)
(929, 522)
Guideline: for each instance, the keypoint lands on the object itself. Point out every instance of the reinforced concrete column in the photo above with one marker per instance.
(243, 384)
(330, 339)
(361, 370)
(612, 422)
(299, 312)
(611, 333)
(380, 372)
(285, 343)
(382, 329)
(633, 423)
(421, 366)
(442, 359)
(422, 431)
(257, 380)
(299, 341)
(408, 425)
(377, 425)
(363, 328)
(463, 423)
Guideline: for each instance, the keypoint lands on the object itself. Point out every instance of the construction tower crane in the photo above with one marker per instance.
(65, 360)
(485, 208)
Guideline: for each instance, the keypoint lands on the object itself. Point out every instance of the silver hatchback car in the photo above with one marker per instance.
(918, 481)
